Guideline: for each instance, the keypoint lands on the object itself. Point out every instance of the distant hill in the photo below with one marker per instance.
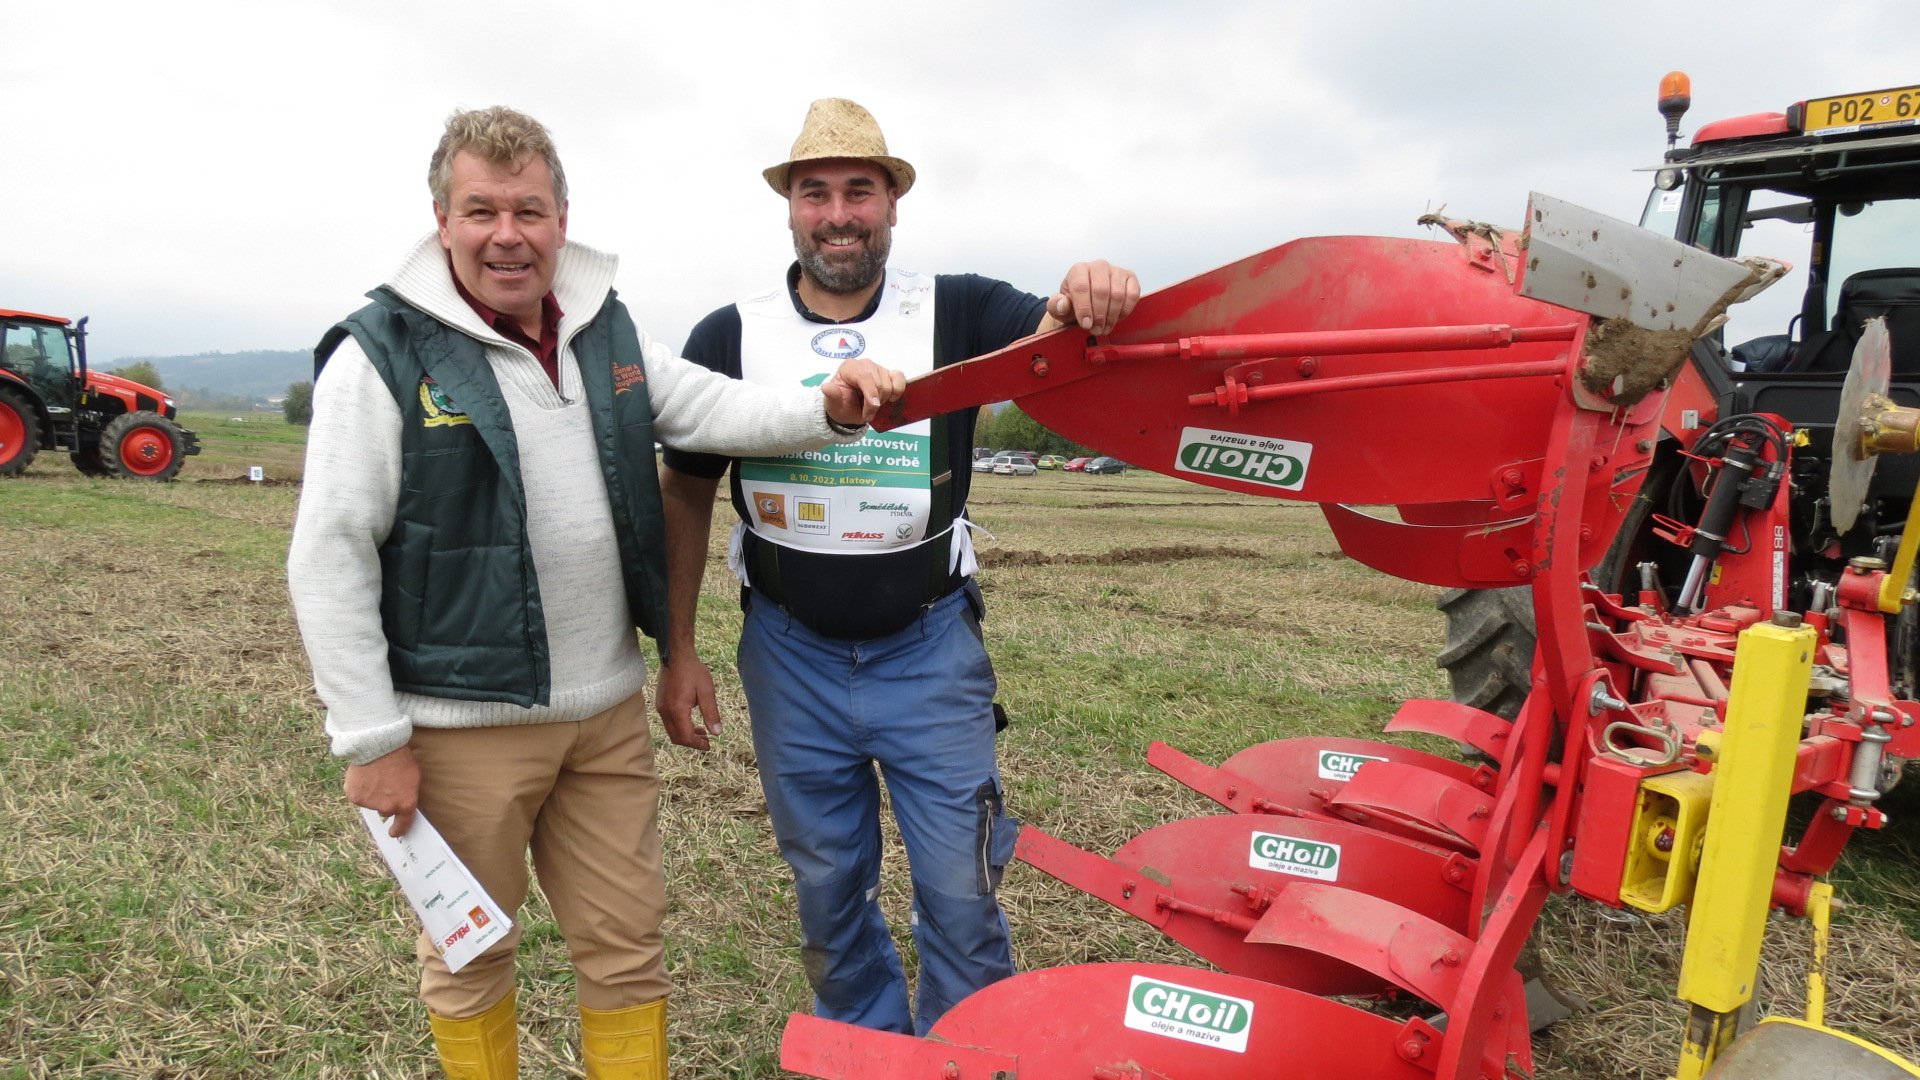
(256, 375)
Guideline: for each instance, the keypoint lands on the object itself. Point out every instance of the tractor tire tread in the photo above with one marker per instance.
(1488, 657)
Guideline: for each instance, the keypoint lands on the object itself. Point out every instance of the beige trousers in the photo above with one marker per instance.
(583, 796)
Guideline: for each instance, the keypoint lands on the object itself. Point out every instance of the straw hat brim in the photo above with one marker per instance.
(901, 172)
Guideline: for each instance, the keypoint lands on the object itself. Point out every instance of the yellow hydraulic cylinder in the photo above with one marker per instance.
(1752, 779)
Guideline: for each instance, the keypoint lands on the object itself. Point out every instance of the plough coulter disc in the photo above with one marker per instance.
(1781, 1048)
(1124, 1022)
(1207, 882)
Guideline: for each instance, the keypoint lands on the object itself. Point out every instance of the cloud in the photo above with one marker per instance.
(229, 175)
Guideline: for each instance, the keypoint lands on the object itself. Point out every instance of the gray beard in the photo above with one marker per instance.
(839, 277)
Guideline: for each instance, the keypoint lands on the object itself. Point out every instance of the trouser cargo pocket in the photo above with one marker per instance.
(994, 837)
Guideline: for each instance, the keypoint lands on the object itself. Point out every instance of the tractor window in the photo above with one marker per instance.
(1873, 236)
(36, 353)
(1662, 212)
(1779, 227)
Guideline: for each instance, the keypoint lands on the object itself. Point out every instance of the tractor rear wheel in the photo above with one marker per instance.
(1489, 653)
(19, 432)
(142, 446)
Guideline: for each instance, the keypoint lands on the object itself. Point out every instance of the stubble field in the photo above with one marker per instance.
(184, 892)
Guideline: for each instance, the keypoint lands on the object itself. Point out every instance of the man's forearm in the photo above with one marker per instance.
(689, 525)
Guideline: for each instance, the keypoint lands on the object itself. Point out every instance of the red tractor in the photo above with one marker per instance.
(49, 400)
(1831, 185)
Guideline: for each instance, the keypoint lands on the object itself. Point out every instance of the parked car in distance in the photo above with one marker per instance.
(983, 464)
(1106, 465)
(1013, 463)
(982, 452)
(1050, 461)
(1078, 464)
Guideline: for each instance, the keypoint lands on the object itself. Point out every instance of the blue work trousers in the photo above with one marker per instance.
(917, 703)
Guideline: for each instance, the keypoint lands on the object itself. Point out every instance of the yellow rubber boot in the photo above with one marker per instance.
(484, 1047)
(625, 1044)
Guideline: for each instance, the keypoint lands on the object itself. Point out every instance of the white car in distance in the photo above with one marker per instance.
(1014, 463)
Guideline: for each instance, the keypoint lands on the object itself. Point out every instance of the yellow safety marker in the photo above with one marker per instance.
(1820, 913)
(1893, 588)
(1772, 666)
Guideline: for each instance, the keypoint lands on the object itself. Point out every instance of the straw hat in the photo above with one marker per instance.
(838, 128)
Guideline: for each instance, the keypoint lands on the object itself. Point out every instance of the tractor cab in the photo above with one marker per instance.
(1832, 186)
(39, 350)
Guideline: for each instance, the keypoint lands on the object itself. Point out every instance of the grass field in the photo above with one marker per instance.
(184, 892)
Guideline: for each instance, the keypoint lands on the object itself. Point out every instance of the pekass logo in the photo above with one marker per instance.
(1188, 1014)
(459, 932)
(1295, 855)
(839, 343)
(862, 536)
(772, 509)
(1253, 459)
(1335, 765)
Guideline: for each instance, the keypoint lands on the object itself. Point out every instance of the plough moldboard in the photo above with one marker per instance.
(1503, 392)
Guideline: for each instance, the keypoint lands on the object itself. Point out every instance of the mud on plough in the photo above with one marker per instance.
(1503, 393)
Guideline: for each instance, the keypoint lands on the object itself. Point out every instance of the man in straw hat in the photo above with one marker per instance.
(862, 642)
(479, 533)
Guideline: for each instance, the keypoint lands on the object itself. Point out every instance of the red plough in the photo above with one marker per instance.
(1502, 396)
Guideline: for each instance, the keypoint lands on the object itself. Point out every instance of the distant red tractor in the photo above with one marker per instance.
(49, 400)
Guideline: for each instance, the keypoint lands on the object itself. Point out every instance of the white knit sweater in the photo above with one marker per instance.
(353, 483)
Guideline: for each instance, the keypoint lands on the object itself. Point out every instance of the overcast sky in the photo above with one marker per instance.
(205, 175)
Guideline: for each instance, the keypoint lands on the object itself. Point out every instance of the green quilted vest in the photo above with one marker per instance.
(460, 601)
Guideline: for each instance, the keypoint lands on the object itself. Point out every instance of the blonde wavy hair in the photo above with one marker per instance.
(498, 135)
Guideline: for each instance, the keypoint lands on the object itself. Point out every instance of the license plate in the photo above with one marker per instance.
(1862, 112)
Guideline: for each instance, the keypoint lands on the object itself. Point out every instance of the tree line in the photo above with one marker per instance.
(1009, 428)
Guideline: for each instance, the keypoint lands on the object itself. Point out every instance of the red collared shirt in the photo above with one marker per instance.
(546, 350)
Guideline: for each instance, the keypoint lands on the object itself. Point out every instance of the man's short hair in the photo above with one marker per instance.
(497, 135)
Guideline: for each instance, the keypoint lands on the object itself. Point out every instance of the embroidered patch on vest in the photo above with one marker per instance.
(627, 376)
(440, 409)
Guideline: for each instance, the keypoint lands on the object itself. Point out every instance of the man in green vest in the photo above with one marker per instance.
(480, 531)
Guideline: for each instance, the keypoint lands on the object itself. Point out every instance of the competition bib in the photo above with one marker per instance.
(864, 497)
